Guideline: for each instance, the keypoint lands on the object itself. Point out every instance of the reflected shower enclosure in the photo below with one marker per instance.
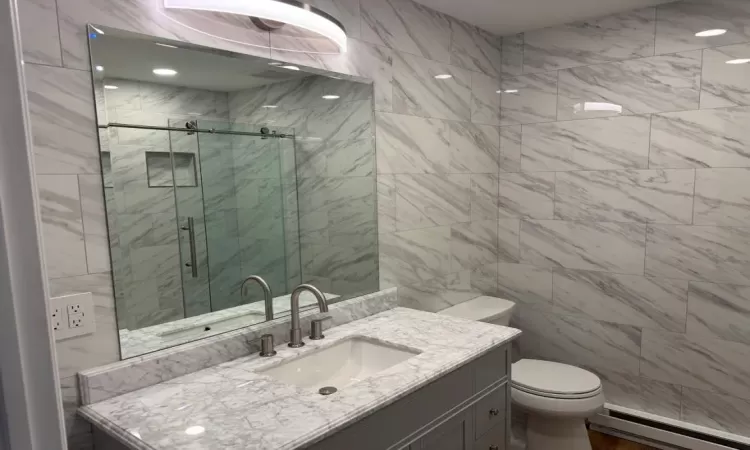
(229, 167)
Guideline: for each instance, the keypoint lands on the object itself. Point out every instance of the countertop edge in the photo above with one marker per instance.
(115, 431)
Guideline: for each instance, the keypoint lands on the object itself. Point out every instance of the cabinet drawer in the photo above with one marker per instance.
(490, 368)
(490, 411)
(495, 439)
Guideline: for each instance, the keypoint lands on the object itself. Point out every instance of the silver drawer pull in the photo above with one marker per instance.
(494, 412)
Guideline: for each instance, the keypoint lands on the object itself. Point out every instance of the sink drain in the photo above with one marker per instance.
(328, 390)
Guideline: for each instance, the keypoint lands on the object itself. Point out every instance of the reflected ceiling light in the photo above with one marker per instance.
(443, 76)
(163, 72)
(738, 61)
(297, 14)
(110, 86)
(192, 431)
(270, 106)
(275, 63)
(99, 68)
(509, 91)
(331, 97)
(710, 33)
(290, 67)
(165, 45)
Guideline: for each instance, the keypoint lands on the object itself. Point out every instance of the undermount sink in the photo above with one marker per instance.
(341, 364)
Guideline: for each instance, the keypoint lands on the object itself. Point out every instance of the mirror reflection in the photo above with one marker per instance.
(219, 167)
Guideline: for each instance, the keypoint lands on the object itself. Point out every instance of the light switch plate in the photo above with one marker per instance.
(72, 315)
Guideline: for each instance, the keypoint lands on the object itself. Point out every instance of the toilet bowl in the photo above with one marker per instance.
(557, 398)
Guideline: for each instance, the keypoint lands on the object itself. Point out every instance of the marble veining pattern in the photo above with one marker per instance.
(528, 98)
(722, 197)
(719, 311)
(722, 84)
(226, 398)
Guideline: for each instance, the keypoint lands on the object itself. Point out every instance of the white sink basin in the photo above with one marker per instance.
(340, 365)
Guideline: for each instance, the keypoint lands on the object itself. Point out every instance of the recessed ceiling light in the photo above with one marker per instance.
(165, 45)
(738, 61)
(100, 68)
(290, 67)
(275, 63)
(510, 91)
(331, 97)
(443, 76)
(192, 431)
(709, 33)
(97, 29)
(165, 72)
(270, 106)
(110, 86)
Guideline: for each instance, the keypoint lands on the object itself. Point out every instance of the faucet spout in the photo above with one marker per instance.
(267, 295)
(295, 334)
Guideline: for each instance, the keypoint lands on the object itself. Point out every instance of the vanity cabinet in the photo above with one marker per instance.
(467, 409)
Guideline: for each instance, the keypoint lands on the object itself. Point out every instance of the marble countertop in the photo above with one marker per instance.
(231, 406)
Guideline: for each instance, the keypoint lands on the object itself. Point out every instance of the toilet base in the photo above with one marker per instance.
(545, 433)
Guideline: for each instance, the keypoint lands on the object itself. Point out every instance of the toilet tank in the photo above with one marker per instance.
(483, 309)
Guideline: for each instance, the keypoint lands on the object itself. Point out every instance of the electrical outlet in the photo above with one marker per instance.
(72, 315)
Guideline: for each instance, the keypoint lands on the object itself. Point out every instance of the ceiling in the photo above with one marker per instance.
(504, 17)
(131, 58)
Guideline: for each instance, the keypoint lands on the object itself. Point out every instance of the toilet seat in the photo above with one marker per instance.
(554, 380)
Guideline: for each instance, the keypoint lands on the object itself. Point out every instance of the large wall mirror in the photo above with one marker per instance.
(219, 166)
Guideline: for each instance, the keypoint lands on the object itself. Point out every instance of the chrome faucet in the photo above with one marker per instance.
(295, 334)
(266, 293)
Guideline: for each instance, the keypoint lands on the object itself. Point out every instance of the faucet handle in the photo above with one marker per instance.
(316, 328)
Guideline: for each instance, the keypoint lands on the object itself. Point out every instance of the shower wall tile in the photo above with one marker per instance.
(417, 92)
(646, 196)
(473, 245)
(720, 412)
(719, 311)
(526, 285)
(127, 96)
(639, 86)
(526, 195)
(408, 27)
(595, 144)
(485, 99)
(722, 197)
(528, 99)
(699, 253)
(512, 55)
(706, 138)
(413, 257)
(62, 112)
(94, 223)
(722, 84)
(641, 394)
(40, 38)
(483, 197)
(474, 148)
(714, 365)
(424, 201)
(439, 293)
(678, 22)
(581, 342)
(386, 203)
(475, 49)
(656, 303)
(408, 144)
(611, 38)
(508, 232)
(597, 246)
(166, 99)
(62, 225)
(510, 148)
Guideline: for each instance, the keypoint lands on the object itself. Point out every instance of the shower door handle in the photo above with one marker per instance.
(193, 264)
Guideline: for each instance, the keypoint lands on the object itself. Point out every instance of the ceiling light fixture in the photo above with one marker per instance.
(509, 91)
(192, 431)
(443, 76)
(164, 72)
(290, 67)
(100, 68)
(738, 61)
(165, 45)
(275, 63)
(331, 97)
(710, 33)
(297, 14)
(270, 106)
(110, 86)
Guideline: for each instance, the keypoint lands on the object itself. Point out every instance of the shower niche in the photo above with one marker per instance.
(229, 166)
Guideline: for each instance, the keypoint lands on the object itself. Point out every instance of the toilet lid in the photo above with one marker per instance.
(551, 379)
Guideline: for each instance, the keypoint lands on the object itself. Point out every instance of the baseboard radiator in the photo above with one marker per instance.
(661, 435)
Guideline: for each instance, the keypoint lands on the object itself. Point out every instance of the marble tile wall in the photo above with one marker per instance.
(627, 165)
(633, 92)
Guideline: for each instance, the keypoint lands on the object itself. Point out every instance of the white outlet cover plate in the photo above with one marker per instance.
(86, 301)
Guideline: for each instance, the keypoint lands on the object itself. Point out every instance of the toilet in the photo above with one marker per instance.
(557, 398)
